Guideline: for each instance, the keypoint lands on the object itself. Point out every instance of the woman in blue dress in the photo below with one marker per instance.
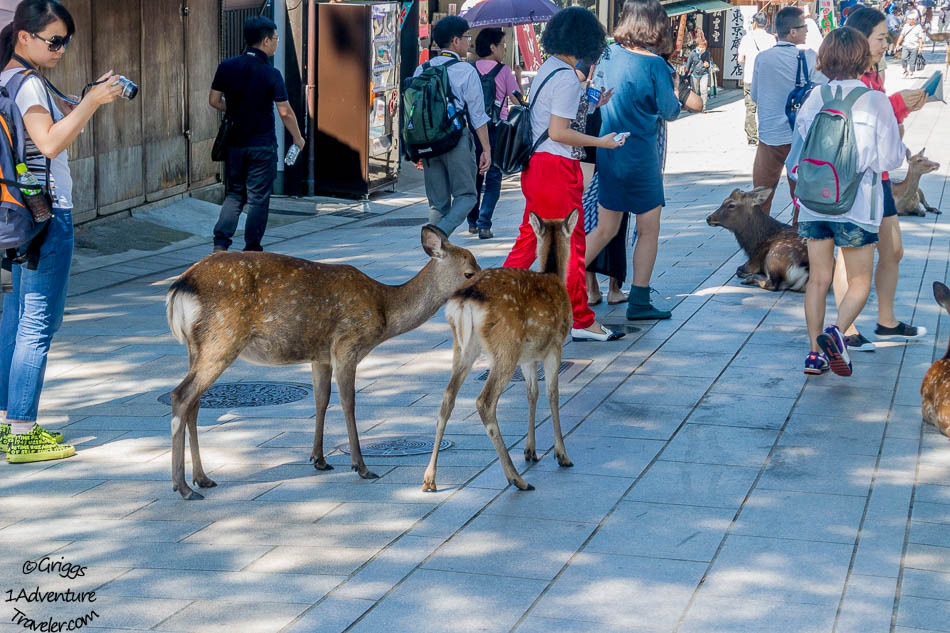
(631, 181)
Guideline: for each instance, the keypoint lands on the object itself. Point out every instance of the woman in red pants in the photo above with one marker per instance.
(553, 183)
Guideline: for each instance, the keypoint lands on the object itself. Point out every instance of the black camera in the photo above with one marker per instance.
(129, 88)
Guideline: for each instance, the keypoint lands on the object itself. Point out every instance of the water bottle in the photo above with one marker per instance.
(292, 154)
(33, 196)
(595, 90)
(451, 111)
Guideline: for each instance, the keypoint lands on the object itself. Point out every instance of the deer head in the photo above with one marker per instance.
(920, 164)
(554, 239)
(736, 210)
(452, 265)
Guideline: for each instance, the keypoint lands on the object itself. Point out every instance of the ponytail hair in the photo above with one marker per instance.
(32, 16)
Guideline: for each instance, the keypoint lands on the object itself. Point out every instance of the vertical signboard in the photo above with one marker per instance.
(738, 23)
(528, 45)
(826, 16)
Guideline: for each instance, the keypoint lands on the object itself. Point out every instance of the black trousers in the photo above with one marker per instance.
(250, 173)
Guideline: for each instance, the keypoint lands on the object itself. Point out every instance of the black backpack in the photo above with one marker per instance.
(492, 107)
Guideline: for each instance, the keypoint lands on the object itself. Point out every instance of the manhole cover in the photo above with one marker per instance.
(354, 213)
(621, 327)
(397, 446)
(565, 365)
(401, 222)
(247, 394)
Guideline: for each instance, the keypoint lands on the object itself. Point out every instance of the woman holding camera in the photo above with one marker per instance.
(37, 39)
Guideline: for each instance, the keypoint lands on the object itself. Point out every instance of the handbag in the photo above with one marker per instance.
(219, 151)
(800, 92)
(921, 62)
(513, 146)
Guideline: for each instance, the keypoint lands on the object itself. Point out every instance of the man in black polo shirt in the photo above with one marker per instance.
(246, 88)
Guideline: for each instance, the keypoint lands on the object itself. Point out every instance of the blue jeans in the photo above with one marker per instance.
(481, 214)
(846, 234)
(32, 313)
(250, 175)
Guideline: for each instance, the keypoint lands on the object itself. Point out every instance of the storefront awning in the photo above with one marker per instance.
(689, 6)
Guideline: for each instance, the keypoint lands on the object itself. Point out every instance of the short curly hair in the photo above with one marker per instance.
(575, 32)
(644, 24)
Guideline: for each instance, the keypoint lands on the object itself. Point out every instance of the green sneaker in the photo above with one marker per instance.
(36, 446)
(5, 435)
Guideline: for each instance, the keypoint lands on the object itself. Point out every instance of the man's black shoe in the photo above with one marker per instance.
(485, 234)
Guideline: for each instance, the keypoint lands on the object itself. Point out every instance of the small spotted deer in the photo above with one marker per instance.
(778, 257)
(908, 198)
(935, 389)
(272, 309)
(518, 317)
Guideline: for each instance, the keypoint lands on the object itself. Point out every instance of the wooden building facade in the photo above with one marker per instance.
(159, 144)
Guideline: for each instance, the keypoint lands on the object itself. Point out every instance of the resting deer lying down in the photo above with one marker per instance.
(273, 309)
(518, 317)
(908, 198)
(935, 389)
(778, 257)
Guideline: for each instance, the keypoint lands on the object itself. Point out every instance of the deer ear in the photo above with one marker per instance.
(907, 154)
(942, 295)
(570, 222)
(535, 220)
(759, 195)
(433, 242)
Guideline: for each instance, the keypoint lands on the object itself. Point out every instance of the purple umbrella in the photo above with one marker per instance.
(509, 12)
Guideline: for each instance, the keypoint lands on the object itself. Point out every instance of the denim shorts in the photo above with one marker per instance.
(890, 208)
(843, 233)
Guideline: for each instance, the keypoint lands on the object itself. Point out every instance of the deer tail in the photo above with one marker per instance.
(182, 310)
(461, 315)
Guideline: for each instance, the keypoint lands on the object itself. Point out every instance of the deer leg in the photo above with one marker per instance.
(923, 202)
(530, 371)
(462, 362)
(745, 269)
(487, 404)
(346, 381)
(321, 395)
(186, 399)
(552, 363)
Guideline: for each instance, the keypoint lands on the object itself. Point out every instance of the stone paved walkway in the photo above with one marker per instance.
(715, 488)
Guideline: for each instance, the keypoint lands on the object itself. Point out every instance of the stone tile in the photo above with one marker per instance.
(782, 570)
(925, 584)
(511, 546)
(566, 497)
(645, 389)
(92, 529)
(931, 512)
(844, 401)
(633, 420)
(618, 456)
(599, 587)
(300, 559)
(753, 381)
(742, 615)
(929, 534)
(881, 546)
(742, 410)
(539, 624)
(389, 515)
(725, 445)
(694, 484)
(868, 605)
(924, 613)
(126, 613)
(834, 436)
(356, 491)
(662, 531)
(153, 490)
(388, 567)
(806, 469)
(197, 556)
(239, 531)
(332, 615)
(454, 512)
(225, 617)
(693, 364)
(801, 515)
(257, 512)
(238, 587)
(467, 602)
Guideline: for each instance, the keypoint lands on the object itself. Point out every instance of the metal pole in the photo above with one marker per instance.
(280, 62)
(311, 95)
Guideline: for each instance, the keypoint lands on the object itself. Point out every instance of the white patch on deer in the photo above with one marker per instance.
(176, 423)
(797, 277)
(466, 317)
(182, 310)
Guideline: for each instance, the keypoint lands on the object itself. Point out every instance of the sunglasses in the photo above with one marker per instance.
(55, 43)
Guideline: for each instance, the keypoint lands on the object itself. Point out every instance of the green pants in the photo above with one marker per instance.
(751, 128)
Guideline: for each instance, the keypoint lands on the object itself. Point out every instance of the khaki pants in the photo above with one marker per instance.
(767, 170)
(751, 127)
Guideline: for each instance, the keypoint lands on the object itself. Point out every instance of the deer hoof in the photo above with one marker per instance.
(205, 483)
(367, 475)
(530, 455)
(935, 211)
(521, 485)
(564, 461)
(321, 464)
(429, 486)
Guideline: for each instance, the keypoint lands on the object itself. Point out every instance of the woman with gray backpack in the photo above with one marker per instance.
(847, 137)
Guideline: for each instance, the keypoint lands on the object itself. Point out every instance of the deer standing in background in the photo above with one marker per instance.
(908, 198)
(935, 389)
(518, 317)
(272, 309)
(778, 257)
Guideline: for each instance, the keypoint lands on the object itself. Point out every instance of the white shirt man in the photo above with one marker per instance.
(752, 43)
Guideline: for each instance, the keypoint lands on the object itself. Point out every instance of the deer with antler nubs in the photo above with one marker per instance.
(935, 389)
(518, 317)
(272, 309)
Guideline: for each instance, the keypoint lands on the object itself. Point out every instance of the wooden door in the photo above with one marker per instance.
(201, 47)
(163, 99)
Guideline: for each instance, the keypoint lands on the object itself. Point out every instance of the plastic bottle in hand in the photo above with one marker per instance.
(33, 195)
(292, 154)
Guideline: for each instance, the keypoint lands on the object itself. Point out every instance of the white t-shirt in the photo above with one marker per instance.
(912, 36)
(775, 72)
(751, 45)
(561, 96)
(33, 93)
(813, 37)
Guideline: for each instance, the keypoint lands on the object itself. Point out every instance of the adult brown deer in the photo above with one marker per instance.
(518, 317)
(935, 389)
(908, 198)
(778, 257)
(273, 309)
